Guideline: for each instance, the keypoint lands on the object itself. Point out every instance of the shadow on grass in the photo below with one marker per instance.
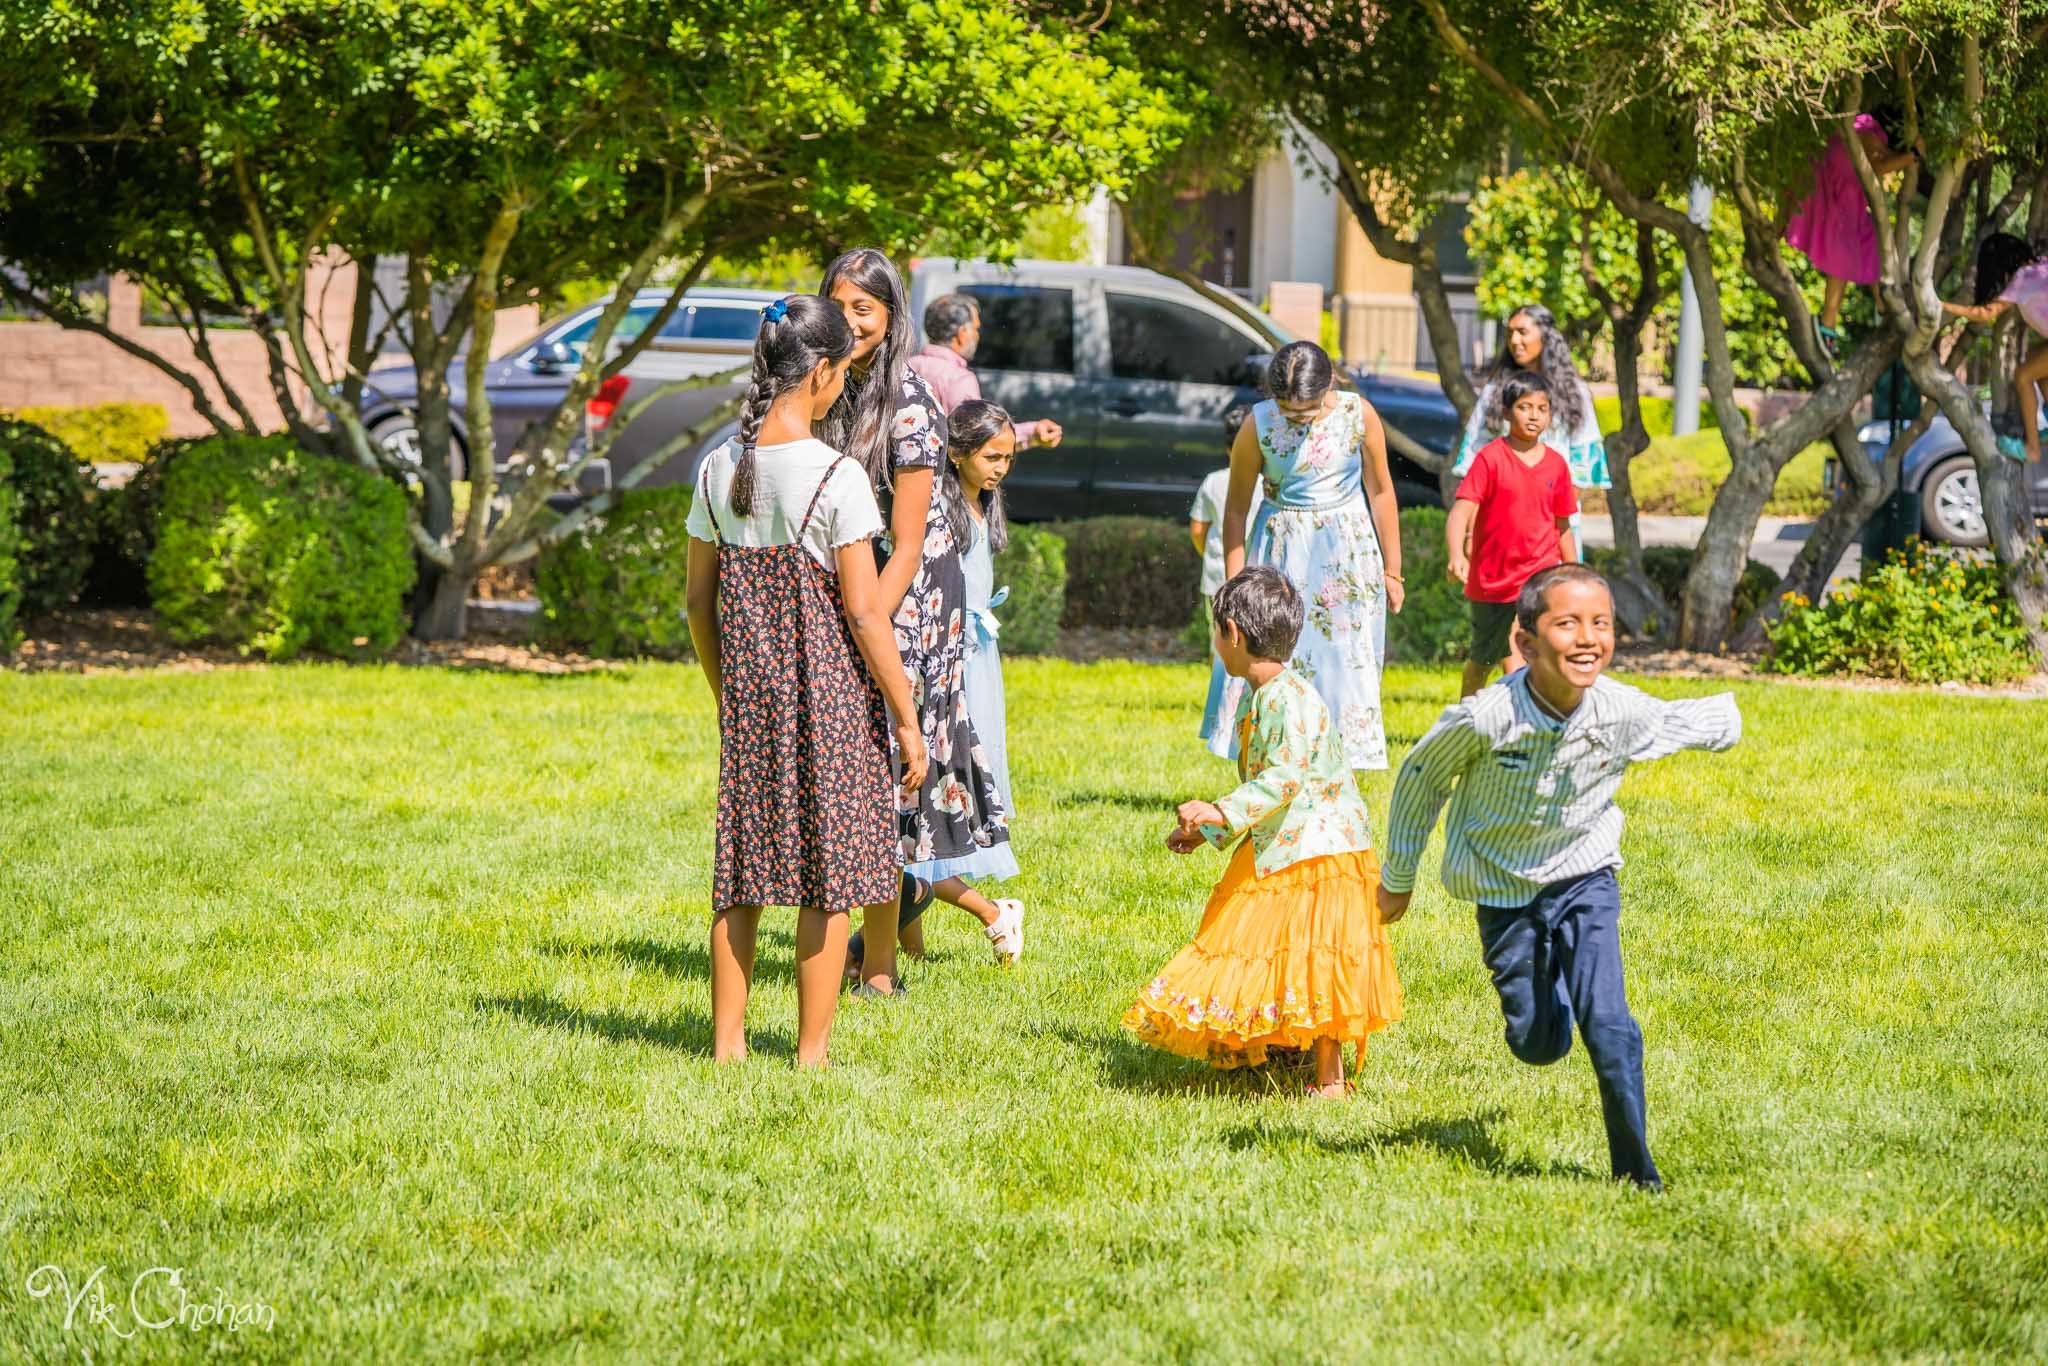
(1161, 804)
(774, 955)
(1463, 1138)
(1125, 1063)
(686, 1031)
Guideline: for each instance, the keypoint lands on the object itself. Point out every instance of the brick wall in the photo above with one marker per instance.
(42, 363)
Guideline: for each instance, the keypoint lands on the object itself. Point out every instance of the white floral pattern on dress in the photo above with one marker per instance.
(1316, 528)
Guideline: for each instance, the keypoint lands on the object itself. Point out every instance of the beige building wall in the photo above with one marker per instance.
(1374, 302)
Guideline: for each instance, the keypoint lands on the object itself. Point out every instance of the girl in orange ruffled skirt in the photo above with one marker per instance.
(1291, 953)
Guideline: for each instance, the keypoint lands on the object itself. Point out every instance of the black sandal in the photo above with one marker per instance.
(914, 900)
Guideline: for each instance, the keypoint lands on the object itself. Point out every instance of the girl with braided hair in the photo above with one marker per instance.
(787, 617)
(890, 420)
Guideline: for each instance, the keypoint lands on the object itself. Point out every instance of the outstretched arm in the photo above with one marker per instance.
(1978, 313)
(1710, 723)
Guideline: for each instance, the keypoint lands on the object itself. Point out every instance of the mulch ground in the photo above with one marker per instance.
(86, 640)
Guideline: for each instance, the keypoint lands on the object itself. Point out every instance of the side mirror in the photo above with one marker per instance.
(552, 355)
(1252, 373)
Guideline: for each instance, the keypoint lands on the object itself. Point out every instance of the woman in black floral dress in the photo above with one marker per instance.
(891, 422)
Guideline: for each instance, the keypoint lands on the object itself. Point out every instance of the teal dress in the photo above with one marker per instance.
(1316, 528)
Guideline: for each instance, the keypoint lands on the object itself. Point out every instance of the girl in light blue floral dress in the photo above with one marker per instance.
(1330, 524)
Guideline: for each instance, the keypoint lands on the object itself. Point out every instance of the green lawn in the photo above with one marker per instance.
(379, 996)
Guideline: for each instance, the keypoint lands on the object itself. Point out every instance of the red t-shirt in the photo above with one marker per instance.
(1514, 533)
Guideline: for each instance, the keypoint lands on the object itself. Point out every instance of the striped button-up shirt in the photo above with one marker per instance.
(1532, 797)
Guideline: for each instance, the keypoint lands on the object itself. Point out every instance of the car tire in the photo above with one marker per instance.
(399, 435)
(1951, 507)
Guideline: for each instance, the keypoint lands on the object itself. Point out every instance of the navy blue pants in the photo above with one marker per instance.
(1558, 960)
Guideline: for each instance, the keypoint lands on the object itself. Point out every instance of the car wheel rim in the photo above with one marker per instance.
(1958, 507)
(402, 444)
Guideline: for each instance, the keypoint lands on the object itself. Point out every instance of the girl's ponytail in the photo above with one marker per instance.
(796, 334)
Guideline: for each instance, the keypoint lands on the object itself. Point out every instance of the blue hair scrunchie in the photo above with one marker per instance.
(776, 311)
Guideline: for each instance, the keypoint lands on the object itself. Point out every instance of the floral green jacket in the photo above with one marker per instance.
(1298, 798)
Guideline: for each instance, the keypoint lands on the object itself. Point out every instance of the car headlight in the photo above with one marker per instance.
(1874, 434)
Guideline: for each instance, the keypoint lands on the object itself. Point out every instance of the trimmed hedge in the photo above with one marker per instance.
(104, 433)
(1434, 625)
(10, 545)
(272, 550)
(615, 587)
(1034, 568)
(54, 513)
(1129, 571)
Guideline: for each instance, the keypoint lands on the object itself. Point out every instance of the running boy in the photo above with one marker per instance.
(1512, 519)
(1531, 766)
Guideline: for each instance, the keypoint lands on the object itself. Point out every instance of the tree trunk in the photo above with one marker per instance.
(445, 615)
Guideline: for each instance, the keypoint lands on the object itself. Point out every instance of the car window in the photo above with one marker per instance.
(577, 335)
(723, 322)
(1024, 327)
(1160, 340)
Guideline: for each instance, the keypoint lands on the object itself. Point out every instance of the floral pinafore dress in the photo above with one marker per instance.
(805, 812)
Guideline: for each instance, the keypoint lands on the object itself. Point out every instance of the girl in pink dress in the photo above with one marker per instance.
(1834, 227)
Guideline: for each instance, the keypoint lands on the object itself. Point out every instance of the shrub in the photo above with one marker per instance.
(615, 587)
(125, 528)
(1927, 616)
(54, 514)
(1666, 567)
(10, 544)
(1434, 625)
(1034, 568)
(271, 549)
(1656, 415)
(104, 433)
(1129, 571)
(1678, 476)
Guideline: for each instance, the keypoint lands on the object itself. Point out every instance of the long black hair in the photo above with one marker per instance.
(1999, 259)
(971, 426)
(796, 333)
(1560, 375)
(859, 422)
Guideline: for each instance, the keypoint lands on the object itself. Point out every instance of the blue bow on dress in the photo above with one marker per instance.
(982, 626)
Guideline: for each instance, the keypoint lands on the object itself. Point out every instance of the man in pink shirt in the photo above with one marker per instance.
(952, 326)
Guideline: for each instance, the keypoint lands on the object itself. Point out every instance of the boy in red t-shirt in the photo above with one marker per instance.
(1514, 509)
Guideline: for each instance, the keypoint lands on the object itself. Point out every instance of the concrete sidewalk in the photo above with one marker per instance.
(1777, 539)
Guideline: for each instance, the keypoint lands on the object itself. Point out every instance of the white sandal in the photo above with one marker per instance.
(1006, 936)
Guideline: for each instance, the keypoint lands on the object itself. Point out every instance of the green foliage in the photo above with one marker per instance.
(615, 586)
(1034, 568)
(1129, 571)
(272, 550)
(1925, 616)
(1434, 624)
(124, 530)
(1678, 476)
(1526, 230)
(10, 551)
(55, 515)
(104, 433)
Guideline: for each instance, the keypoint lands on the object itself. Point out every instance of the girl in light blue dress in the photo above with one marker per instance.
(1330, 523)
